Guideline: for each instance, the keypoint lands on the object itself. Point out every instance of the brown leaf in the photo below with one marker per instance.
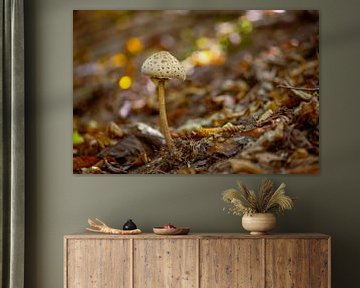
(267, 158)
(84, 162)
(102, 139)
(245, 166)
(308, 112)
(305, 169)
(114, 131)
(227, 148)
(133, 150)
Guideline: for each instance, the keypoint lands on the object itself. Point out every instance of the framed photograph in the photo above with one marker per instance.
(196, 92)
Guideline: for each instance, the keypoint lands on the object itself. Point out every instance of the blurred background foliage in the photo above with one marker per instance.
(110, 45)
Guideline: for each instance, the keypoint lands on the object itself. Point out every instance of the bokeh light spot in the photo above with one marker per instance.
(134, 45)
(125, 82)
(77, 138)
(202, 43)
(118, 60)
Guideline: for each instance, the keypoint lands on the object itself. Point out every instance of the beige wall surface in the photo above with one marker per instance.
(59, 202)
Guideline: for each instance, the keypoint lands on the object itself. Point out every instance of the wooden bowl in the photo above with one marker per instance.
(171, 231)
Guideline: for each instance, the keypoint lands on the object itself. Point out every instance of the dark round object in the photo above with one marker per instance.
(129, 225)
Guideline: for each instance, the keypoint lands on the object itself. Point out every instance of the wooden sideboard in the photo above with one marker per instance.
(197, 260)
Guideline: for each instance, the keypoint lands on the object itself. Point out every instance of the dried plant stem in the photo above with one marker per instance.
(205, 132)
(240, 129)
(101, 227)
(163, 118)
(246, 202)
(299, 88)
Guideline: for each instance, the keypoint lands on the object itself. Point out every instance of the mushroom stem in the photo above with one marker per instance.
(162, 111)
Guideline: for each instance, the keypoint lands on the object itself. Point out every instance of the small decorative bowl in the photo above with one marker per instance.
(171, 231)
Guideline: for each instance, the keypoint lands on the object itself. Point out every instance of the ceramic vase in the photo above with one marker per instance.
(259, 223)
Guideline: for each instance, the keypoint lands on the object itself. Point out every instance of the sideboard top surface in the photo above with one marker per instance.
(86, 235)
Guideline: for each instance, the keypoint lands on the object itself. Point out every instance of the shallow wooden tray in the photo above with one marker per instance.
(171, 231)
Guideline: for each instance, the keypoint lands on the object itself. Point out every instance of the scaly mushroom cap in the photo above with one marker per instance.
(163, 65)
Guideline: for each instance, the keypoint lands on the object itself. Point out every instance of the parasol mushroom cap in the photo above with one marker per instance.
(162, 65)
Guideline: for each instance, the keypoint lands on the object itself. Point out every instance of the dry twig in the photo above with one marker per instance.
(101, 227)
(299, 88)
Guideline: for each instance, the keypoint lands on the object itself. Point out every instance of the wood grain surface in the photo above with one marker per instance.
(89, 235)
(231, 263)
(319, 263)
(165, 263)
(197, 260)
(98, 263)
(287, 263)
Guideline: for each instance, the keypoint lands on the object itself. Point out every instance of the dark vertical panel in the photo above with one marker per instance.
(12, 138)
(1, 144)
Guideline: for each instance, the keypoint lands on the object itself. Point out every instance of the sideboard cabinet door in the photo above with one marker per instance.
(98, 263)
(165, 263)
(320, 263)
(231, 263)
(297, 263)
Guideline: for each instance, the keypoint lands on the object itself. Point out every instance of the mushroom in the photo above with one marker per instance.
(160, 67)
